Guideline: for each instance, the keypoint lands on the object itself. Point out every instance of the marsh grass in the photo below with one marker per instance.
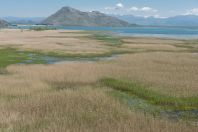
(59, 85)
(82, 110)
(10, 56)
(168, 102)
(3, 71)
(108, 38)
(190, 45)
(71, 97)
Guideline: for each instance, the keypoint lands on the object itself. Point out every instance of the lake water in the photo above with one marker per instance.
(168, 32)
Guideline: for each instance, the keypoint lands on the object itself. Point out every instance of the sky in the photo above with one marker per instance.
(146, 8)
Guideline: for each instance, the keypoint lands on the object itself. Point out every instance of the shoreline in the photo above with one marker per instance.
(185, 33)
(123, 35)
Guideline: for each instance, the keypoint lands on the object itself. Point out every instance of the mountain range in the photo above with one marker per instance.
(3, 24)
(68, 16)
(181, 20)
(23, 20)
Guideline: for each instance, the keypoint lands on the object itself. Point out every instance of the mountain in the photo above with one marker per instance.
(68, 16)
(3, 24)
(23, 20)
(181, 20)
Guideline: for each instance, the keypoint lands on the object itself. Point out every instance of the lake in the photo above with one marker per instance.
(168, 32)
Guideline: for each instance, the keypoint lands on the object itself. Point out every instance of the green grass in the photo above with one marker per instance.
(90, 56)
(78, 55)
(108, 38)
(10, 56)
(42, 28)
(190, 46)
(155, 98)
(3, 71)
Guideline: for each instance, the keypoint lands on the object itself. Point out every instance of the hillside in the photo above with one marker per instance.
(68, 16)
(23, 20)
(181, 20)
(3, 24)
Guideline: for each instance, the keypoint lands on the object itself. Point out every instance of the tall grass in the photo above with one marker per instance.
(108, 38)
(81, 110)
(67, 97)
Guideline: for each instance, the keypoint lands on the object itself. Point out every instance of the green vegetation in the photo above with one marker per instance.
(167, 102)
(76, 55)
(10, 56)
(108, 38)
(2, 71)
(72, 97)
(42, 28)
(190, 46)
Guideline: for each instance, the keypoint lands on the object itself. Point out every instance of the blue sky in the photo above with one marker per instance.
(43, 8)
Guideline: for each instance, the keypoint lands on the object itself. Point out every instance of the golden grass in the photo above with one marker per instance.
(77, 42)
(66, 97)
(51, 40)
(171, 73)
(174, 74)
(85, 109)
(149, 40)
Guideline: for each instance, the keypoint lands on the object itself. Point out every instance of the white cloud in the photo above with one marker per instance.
(146, 9)
(134, 8)
(120, 9)
(193, 11)
(116, 7)
(142, 9)
(109, 8)
(119, 5)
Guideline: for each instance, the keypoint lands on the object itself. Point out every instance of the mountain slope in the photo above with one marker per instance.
(182, 20)
(71, 17)
(3, 24)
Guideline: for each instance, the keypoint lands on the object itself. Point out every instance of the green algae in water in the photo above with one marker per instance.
(9, 56)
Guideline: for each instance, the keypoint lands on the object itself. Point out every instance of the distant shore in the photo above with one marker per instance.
(142, 31)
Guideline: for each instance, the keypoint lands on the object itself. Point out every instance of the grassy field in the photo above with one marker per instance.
(147, 84)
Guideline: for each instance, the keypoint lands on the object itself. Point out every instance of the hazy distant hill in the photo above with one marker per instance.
(3, 24)
(182, 20)
(68, 16)
(23, 20)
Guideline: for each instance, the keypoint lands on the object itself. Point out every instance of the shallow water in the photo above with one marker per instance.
(87, 60)
(56, 60)
(141, 105)
(177, 114)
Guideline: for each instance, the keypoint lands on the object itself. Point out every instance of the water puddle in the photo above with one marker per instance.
(44, 59)
(87, 60)
(195, 53)
(178, 114)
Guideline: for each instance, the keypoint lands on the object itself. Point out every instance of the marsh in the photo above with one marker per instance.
(151, 84)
